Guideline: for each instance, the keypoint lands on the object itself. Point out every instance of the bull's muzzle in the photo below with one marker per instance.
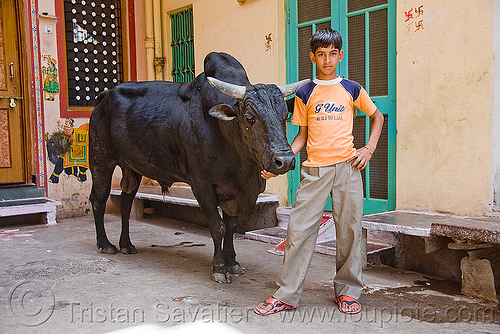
(282, 163)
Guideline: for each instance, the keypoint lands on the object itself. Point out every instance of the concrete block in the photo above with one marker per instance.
(477, 279)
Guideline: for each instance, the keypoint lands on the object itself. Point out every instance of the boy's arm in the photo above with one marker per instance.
(364, 154)
(298, 142)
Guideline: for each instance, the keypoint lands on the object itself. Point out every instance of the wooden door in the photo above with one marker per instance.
(12, 148)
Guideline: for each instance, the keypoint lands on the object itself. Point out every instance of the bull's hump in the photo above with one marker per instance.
(223, 66)
(132, 91)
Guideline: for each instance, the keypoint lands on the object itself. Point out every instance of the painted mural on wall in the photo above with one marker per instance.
(67, 149)
(50, 81)
(414, 19)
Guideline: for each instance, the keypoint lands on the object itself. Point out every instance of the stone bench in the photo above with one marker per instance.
(30, 206)
(180, 204)
(479, 236)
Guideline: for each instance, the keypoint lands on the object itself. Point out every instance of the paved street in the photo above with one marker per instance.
(53, 280)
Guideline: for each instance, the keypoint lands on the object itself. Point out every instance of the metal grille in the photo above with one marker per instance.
(312, 10)
(305, 66)
(93, 48)
(359, 133)
(323, 25)
(378, 53)
(182, 46)
(378, 166)
(356, 49)
(354, 5)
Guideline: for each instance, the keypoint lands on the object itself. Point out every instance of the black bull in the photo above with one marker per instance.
(215, 134)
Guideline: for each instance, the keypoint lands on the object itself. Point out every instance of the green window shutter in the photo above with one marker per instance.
(182, 46)
(369, 35)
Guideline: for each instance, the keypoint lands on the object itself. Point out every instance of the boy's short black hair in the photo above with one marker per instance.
(324, 38)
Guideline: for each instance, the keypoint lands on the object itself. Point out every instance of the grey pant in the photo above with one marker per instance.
(344, 184)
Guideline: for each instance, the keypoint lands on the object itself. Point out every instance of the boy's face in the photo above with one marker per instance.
(326, 60)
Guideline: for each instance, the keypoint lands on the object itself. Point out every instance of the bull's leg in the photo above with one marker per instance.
(129, 184)
(101, 186)
(208, 205)
(229, 254)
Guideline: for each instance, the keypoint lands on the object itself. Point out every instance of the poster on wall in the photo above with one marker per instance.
(67, 149)
(50, 80)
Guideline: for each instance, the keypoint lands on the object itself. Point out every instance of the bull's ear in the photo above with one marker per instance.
(223, 112)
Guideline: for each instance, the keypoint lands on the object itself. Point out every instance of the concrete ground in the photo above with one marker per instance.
(53, 280)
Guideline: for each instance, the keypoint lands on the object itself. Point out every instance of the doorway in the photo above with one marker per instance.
(368, 30)
(13, 123)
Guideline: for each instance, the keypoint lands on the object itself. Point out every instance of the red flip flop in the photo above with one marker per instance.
(349, 301)
(277, 306)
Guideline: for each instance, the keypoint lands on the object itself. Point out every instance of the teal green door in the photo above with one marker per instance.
(368, 29)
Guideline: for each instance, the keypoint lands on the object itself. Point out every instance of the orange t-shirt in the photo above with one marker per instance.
(326, 108)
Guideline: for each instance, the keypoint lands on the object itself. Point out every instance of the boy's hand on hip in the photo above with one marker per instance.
(362, 158)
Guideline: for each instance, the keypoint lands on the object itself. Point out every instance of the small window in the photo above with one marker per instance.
(94, 55)
(182, 46)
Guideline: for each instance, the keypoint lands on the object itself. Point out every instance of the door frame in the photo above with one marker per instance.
(339, 22)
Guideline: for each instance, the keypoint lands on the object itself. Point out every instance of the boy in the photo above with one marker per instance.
(324, 113)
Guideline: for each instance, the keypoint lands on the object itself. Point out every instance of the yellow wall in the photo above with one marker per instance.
(448, 122)
(225, 25)
(445, 107)
(240, 30)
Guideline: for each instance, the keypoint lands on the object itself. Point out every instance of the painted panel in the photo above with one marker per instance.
(4, 139)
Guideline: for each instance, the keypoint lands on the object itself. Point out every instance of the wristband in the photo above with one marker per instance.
(368, 150)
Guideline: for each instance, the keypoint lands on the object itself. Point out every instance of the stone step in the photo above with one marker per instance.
(326, 242)
(30, 206)
(277, 236)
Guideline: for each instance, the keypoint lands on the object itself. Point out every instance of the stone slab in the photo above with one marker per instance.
(408, 223)
(485, 229)
(277, 235)
(13, 192)
(30, 206)
(477, 279)
(180, 204)
(179, 195)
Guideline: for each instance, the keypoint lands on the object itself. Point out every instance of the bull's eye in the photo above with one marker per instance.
(249, 119)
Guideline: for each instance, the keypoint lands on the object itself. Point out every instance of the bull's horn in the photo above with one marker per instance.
(238, 92)
(290, 89)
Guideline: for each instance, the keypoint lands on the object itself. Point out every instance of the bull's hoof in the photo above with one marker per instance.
(128, 250)
(223, 278)
(108, 250)
(236, 270)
